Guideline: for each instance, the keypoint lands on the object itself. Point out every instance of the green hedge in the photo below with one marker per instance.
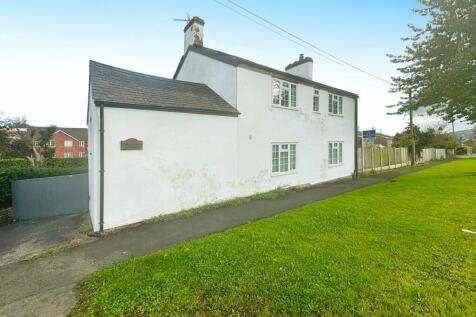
(14, 162)
(7, 175)
(66, 163)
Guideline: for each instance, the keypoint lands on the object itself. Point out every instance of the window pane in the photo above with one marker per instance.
(292, 157)
(293, 95)
(283, 161)
(334, 107)
(275, 158)
(284, 147)
(275, 92)
(284, 97)
(334, 155)
(316, 103)
(330, 103)
(340, 105)
(330, 153)
(340, 152)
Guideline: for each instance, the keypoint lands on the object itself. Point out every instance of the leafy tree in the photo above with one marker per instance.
(431, 138)
(10, 134)
(38, 143)
(16, 142)
(17, 148)
(439, 66)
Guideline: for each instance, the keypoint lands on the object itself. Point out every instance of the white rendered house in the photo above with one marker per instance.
(224, 127)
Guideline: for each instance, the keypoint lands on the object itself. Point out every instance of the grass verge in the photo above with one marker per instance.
(395, 248)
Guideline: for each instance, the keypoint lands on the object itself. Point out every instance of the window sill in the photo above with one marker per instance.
(316, 112)
(287, 108)
(335, 165)
(283, 173)
(336, 115)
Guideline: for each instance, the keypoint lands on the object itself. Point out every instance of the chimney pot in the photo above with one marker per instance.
(301, 56)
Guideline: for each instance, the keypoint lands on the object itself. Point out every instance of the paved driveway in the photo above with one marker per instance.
(44, 287)
(27, 238)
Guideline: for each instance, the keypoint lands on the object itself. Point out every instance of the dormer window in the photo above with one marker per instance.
(335, 104)
(284, 94)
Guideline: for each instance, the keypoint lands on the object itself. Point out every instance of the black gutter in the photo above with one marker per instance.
(101, 168)
(356, 141)
(232, 113)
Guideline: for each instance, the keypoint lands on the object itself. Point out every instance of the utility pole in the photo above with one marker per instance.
(454, 138)
(411, 128)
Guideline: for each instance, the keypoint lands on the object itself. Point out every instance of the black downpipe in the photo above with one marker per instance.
(356, 130)
(101, 168)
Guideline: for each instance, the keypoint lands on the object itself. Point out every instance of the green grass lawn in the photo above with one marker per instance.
(393, 249)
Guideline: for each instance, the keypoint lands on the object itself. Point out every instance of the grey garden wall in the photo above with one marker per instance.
(50, 196)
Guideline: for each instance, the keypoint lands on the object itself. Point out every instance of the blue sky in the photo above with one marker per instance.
(46, 46)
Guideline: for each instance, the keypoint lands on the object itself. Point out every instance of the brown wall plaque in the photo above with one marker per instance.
(131, 145)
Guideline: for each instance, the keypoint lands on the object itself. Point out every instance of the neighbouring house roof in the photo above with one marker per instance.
(241, 62)
(80, 134)
(116, 87)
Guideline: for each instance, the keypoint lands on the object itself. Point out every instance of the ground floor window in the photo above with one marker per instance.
(68, 155)
(335, 152)
(283, 158)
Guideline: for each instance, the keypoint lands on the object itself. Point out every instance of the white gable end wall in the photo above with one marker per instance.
(218, 76)
(187, 160)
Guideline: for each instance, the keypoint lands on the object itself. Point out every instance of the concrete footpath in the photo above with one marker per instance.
(44, 287)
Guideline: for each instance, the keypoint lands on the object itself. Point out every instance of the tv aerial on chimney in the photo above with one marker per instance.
(183, 20)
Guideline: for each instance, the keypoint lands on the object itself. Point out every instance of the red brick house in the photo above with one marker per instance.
(69, 142)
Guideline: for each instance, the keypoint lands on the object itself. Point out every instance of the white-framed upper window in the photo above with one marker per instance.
(51, 143)
(68, 155)
(81, 143)
(335, 152)
(283, 158)
(315, 101)
(284, 94)
(335, 104)
(68, 143)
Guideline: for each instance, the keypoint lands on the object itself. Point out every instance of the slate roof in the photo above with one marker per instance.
(241, 62)
(78, 133)
(116, 87)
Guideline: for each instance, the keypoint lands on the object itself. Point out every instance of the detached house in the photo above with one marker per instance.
(223, 127)
(67, 142)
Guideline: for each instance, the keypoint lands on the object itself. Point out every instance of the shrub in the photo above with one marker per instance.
(14, 162)
(7, 175)
(461, 151)
(66, 163)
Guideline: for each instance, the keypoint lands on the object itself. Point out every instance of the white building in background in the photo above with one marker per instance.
(224, 127)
